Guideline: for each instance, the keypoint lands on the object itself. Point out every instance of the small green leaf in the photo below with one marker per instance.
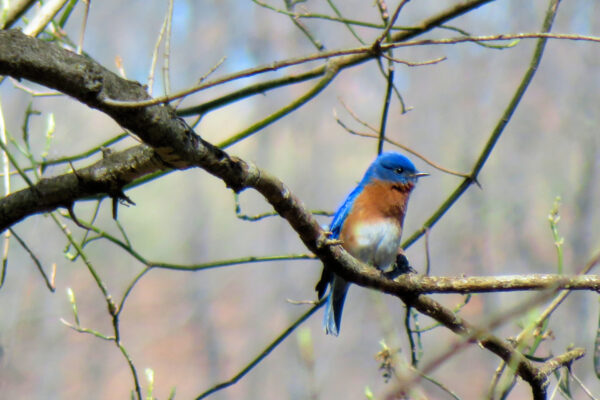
(50, 129)
(369, 394)
(150, 378)
(597, 351)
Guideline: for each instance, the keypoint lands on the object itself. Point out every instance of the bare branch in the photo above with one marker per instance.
(498, 129)
(355, 56)
(507, 283)
(262, 354)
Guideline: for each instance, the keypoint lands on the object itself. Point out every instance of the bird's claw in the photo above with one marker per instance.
(324, 240)
(401, 267)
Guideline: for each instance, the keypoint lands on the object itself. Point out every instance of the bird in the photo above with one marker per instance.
(368, 225)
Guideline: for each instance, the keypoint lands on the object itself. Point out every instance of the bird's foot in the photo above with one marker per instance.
(401, 267)
(324, 240)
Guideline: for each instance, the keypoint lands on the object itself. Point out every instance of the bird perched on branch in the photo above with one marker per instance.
(369, 226)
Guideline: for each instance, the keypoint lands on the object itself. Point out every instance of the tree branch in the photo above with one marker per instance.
(561, 361)
(106, 176)
(348, 61)
(481, 284)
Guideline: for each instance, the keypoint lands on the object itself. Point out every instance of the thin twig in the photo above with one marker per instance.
(84, 258)
(303, 28)
(364, 52)
(130, 287)
(326, 17)
(13, 161)
(258, 217)
(49, 281)
(62, 21)
(200, 80)
(13, 11)
(87, 232)
(159, 39)
(439, 385)
(403, 147)
(6, 180)
(414, 360)
(32, 92)
(235, 261)
(498, 129)
(427, 254)
(315, 90)
(583, 387)
(389, 75)
(415, 63)
(167, 51)
(389, 22)
(92, 332)
(112, 307)
(345, 21)
(355, 116)
(253, 89)
(487, 45)
(43, 17)
(134, 373)
(386, 107)
(85, 154)
(194, 267)
(86, 12)
(262, 354)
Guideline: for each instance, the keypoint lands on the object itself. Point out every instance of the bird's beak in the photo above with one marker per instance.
(420, 174)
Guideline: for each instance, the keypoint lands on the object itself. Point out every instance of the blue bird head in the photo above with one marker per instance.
(392, 167)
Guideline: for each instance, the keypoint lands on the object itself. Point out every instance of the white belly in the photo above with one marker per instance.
(377, 243)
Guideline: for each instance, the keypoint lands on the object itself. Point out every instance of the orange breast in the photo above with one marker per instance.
(383, 200)
(379, 202)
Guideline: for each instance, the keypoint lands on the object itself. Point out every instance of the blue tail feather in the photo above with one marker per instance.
(335, 304)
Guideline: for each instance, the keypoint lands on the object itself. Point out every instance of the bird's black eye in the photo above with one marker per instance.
(399, 170)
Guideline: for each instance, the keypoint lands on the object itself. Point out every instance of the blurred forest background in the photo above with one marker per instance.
(195, 329)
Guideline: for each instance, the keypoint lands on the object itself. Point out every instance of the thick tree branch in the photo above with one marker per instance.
(106, 176)
(173, 141)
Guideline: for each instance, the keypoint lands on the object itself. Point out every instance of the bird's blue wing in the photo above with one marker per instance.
(335, 228)
(340, 215)
(339, 287)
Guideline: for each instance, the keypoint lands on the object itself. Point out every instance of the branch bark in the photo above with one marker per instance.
(481, 284)
(105, 176)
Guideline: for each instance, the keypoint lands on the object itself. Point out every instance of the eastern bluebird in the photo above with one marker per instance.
(369, 225)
